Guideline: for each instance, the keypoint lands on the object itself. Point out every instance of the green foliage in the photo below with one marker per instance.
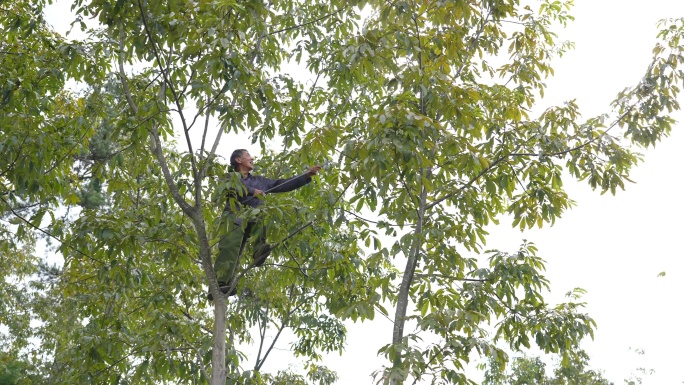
(532, 370)
(426, 141)
(16, 371)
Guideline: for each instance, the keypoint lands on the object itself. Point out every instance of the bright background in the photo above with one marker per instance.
(612, 246)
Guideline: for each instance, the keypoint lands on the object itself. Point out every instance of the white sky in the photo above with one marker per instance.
(612, 246)
(615, 246)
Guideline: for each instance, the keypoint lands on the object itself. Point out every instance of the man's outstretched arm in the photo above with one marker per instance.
(285, 185)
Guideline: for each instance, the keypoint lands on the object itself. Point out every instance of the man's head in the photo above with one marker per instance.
(241, 161)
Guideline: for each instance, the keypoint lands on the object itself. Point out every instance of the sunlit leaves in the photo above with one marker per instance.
(447, 143)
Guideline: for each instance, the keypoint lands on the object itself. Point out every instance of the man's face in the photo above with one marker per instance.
(245, 162)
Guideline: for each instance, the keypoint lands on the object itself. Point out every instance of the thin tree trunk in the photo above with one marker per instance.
(218, 356)
(407, 280)
(414, 253)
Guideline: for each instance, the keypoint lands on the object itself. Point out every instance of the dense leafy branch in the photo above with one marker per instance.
(45, 232)
(310, 22)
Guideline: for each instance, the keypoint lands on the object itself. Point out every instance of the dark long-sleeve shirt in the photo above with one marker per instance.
(268, 186)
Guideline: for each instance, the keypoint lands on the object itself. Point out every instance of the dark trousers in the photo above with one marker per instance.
(232, 245)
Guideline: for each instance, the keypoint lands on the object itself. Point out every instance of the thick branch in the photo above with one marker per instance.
(155, 142)
(155, 146)
(176, 100)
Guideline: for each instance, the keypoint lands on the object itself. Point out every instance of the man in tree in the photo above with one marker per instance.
(232, 244)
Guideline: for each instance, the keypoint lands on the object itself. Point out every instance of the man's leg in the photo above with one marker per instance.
(231, 246)
(261, 249)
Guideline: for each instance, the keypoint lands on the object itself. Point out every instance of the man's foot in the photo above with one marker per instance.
(224, 289)
(261, 253)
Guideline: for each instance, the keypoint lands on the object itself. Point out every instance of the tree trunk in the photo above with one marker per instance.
(218, 355)
(411, 263)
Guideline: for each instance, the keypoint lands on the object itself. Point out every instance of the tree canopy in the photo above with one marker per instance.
(421, 112)
(532, 370)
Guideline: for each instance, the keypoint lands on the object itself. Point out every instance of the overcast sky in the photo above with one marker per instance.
(612, 246)
(615, 246)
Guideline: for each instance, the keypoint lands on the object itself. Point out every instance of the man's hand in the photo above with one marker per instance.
(313, 170)
(258, 192)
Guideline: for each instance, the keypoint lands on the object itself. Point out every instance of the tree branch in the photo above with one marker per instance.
(470, 183)
(13, 162)
(581, 146)
(263, 324)
(503, 157)
(308, 22)
(299, 266)
(49, 234)
(420, 275)
(204, 137)
(374, 222)
(78, 143)
(155, 146)
(282, 327)
(122, 74)
(257, 47)
(176, 99)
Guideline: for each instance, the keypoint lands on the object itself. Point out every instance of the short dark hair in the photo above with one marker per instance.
(236, 154)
